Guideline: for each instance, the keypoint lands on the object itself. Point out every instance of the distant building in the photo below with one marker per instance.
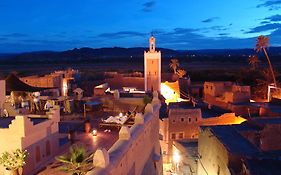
(152, 67)
(58, 79)
(229, 96)
(228, 150)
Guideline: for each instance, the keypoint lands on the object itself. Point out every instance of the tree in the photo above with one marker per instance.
(254, 62)
(262, 83)
(261, 45)
(174, 65)
(76, 161)
(181, 73)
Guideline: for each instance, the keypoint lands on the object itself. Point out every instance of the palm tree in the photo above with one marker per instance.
(76, 161)
(262, 83)
(181, 73)
(254, 61)
(174, 65)
(261, 45)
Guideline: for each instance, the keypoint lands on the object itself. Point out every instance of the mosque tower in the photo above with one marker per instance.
(152, 67)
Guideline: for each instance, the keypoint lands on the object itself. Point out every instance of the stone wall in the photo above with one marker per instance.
(138, 149)
(212, 155)
(49, 81)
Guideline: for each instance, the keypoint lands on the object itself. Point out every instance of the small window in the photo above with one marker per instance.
(152, 62)
(196, 119)
(38, 154)
(174, 121)
(181, 135)
(155, 73)
(182, 119)
(148, 73)
(48, 148)
(173, 136)
(189, 120)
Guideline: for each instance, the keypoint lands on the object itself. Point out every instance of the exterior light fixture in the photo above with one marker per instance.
(95, 132)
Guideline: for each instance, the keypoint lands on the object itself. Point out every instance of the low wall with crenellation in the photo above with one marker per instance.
(137, 150)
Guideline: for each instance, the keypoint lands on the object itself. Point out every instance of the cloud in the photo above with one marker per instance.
(15, 35)
(122, 34)
(148, 6)
(208, 20)
(218, 28)
(274, 18)
(189, 38)
(271, 4)
(223, 34)
(264, 28)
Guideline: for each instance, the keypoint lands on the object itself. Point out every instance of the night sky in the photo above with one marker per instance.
(31, 25)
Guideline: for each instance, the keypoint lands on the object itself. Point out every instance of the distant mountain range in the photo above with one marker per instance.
(117, 53)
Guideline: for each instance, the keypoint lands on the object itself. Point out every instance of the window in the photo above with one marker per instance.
(173, 136)
(152, 62)
(38, 154)
(48, 148)
(155, 73)
(196, 119)
(189, 119)
(174, 121)
(181, 135)
(182, 119)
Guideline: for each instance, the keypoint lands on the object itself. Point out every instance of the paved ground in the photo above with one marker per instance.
(91, 143)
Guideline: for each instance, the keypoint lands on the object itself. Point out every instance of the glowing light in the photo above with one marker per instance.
(120, 114)
(169, 93)
(64, 87)
(176, 157)
(94, 132)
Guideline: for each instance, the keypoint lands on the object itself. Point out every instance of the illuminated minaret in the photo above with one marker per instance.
(152, 67)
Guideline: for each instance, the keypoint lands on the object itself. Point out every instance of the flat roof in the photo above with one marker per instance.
(6, 121)
(234, 142)
(206, 113)
(263, 166)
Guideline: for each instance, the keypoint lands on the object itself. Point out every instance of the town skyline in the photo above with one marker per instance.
(96, 24)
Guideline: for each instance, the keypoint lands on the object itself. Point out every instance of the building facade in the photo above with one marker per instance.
(39, 136)
(2, 95)
(183, 123)
(152, 67)
(228, 150)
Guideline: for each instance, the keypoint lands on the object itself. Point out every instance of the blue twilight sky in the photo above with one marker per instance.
(30, 25)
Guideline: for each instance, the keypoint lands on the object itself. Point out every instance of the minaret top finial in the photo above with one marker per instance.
(152, 43)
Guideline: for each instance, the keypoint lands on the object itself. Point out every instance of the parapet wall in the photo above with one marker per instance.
(23, 134)
(137, 150)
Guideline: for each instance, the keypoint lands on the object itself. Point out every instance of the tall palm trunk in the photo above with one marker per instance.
(270, 67)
